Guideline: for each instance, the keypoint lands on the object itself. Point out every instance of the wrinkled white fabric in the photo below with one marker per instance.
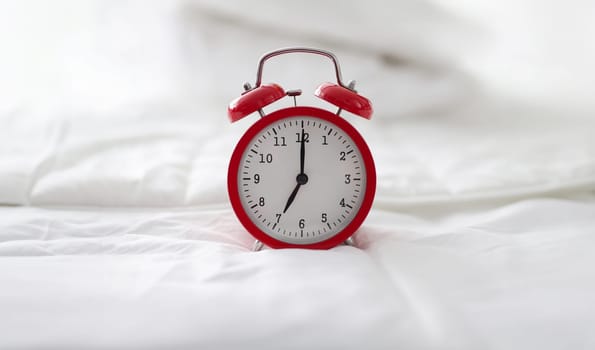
(185, 278)
(133, 113)
(181, 161)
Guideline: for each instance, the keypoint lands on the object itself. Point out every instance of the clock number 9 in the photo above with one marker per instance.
(256, 179)
(302, 223)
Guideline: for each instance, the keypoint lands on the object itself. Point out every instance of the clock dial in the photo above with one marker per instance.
(301, 179)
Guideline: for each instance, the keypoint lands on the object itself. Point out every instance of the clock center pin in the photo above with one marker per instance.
(302, 179)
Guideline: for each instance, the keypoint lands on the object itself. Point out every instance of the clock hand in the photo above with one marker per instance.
(302, 178)
(302, 153)
(291, 197)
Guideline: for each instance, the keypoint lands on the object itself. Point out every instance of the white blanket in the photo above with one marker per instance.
(516, 276)
(116, 232)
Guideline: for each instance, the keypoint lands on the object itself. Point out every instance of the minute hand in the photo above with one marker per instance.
(302, 178)
(302, 153)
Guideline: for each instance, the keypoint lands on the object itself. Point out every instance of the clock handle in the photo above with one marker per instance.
(341, 95)
(253, 99)
(272, 54)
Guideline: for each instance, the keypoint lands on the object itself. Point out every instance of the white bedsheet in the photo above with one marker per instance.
(513, 276)
(177, 160)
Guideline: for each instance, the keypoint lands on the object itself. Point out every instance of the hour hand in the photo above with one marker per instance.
(291, 197)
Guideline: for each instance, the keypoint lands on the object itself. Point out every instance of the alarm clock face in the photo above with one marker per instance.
(302, 177)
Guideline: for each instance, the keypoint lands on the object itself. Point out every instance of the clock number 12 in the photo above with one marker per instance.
(299, 137)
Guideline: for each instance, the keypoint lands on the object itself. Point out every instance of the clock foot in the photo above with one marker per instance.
(350, 242)
(257, 246)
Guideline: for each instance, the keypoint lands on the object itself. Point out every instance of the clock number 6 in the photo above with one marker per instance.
(302, 223)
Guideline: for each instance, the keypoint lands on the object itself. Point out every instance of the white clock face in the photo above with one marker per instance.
(301, 180)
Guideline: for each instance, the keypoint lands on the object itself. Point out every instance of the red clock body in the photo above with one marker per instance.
(301, 177)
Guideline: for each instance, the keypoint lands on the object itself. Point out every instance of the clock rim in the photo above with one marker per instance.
(303, 111)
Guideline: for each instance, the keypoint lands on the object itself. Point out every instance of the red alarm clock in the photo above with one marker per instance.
(301, 177)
